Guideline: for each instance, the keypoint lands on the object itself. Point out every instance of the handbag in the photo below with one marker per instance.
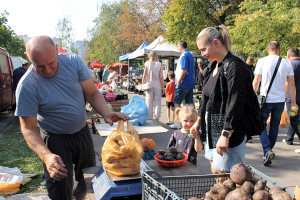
(147, 86)
(261, 98)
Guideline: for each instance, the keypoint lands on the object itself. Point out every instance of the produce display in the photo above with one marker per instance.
(243, 186)
(172, 155)
(122, 151)
(148, 142)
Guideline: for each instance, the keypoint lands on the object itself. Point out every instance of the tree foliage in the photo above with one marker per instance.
(184, 19)
(66, 35)
(263, 21)
(123, 26)
(8, 39)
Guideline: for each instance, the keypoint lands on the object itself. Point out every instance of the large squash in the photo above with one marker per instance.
(148, 142)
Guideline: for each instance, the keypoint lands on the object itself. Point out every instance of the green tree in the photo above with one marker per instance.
(66, 35)
(100, 46)
(263, 21)
(184, 19)
(8, 39)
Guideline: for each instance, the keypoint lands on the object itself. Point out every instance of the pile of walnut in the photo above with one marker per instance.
(243, 186)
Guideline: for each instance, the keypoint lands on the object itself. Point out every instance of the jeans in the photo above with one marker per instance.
(268, 140)
(294, 126)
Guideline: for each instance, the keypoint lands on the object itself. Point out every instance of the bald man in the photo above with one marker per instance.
(52, 96)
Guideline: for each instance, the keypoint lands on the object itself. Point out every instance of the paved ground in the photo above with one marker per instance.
(285, 168)
(286, 164)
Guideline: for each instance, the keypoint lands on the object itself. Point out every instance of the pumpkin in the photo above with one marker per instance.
(148, 142)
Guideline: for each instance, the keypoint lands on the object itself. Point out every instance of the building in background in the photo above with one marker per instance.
(78, 44)
(81, 50)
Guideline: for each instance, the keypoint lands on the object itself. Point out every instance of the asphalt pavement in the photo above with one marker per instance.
(284, 169)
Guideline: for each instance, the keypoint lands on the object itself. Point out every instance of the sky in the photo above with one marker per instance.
(40, 17)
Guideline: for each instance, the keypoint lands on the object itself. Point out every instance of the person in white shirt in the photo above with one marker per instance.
(275, 100)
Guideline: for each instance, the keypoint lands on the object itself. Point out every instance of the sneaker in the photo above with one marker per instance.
(248, 141)
(175, 126)
(169, 122)
(297, 150)
(268, 157)
(283, 140)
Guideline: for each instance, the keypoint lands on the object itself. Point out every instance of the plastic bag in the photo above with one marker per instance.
(113, 85)
(122, 151)
(137, 111)
(10, 180)
(285, 119)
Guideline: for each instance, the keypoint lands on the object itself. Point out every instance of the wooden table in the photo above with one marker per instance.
(150, 127)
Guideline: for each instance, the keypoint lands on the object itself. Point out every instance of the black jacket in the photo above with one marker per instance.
(226, 102)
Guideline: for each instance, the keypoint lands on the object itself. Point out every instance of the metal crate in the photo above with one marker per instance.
(156, 187)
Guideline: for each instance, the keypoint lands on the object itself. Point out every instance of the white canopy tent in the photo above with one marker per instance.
(163, 48)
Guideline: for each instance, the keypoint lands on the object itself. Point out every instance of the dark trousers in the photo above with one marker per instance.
(77, 149)
(294, 126)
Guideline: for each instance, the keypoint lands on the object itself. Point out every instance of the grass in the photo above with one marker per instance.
(15, 152)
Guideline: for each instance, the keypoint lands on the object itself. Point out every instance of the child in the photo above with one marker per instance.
(182, 139)
(170, 94)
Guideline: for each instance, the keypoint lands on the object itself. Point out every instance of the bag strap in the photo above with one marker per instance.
(150, 71)
(274, 74)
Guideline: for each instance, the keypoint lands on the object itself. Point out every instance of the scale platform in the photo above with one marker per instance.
(107, 186)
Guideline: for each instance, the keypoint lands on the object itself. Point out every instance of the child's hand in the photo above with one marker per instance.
(194, 131)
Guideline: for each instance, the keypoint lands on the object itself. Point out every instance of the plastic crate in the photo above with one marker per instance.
(156, 187)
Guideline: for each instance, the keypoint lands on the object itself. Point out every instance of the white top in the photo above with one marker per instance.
(266, 67)
(178, 70)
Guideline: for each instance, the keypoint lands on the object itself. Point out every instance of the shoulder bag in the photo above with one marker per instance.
(261, 98)
(147, 86)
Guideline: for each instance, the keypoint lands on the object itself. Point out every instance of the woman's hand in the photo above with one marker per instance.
(194, 131)
(222, 145)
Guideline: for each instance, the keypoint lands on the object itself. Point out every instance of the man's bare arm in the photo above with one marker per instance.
(256, 82)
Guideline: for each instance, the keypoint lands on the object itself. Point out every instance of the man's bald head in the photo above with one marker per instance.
(38, 44)
(42, 52)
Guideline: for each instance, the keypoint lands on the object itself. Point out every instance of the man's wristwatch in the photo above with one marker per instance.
(226, 134)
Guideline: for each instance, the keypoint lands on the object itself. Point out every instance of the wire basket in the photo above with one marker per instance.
(156, 187)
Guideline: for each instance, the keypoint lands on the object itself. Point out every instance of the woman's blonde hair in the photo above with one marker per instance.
(153, 57)
(185, 111)
(219, 32)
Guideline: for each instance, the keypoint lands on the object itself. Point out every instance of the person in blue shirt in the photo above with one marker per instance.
(184, 76)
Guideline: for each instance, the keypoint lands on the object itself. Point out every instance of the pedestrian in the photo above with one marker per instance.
(201, 66)
(105, 74)
(90, 66)
(221, 115)
(113, 75)
(275, 100)
(51, 96)
(18, 73)
(250, 61)
(154, 70)
(99, 74)
(183, 140)
(293, 57)
(170, 94)
(184, 76)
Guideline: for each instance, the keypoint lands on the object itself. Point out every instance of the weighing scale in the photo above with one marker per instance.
(107, 186)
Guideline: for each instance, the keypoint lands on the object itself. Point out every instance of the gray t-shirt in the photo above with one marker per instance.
(58, 101)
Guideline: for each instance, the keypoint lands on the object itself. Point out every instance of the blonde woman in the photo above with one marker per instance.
(221, 114)
(153, 95)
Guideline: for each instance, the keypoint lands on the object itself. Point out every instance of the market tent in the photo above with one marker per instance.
(125, 57)
(161, 46)
(60, 50)
(96, 64)
(121, 66)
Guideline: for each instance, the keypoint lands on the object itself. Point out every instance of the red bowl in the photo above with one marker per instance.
(175, 163)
